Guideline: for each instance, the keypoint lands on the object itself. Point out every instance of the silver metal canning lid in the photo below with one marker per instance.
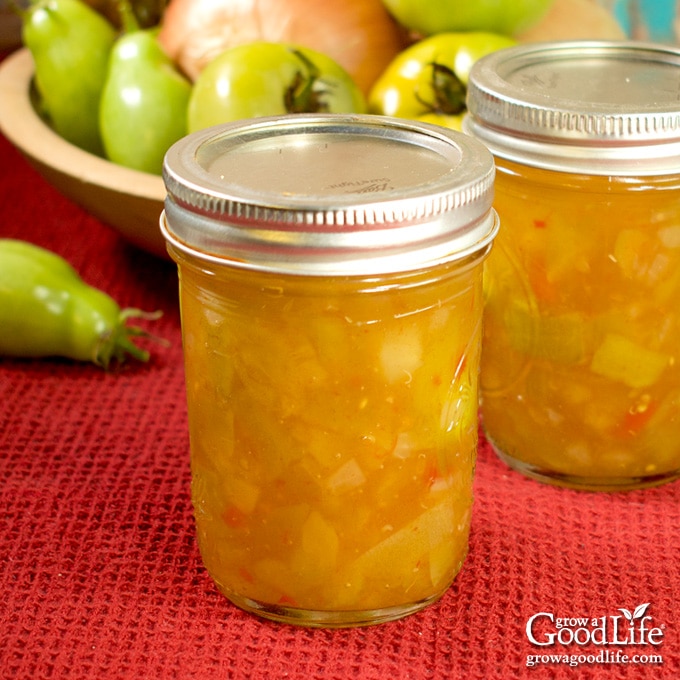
(587, 106)
(329, 194)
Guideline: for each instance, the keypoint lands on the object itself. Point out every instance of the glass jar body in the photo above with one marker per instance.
(580, 369)
(333, 428)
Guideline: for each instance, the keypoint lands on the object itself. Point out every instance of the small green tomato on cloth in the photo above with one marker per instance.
(47, 310)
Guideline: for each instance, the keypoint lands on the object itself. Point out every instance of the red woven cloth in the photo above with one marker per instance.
(101, 576)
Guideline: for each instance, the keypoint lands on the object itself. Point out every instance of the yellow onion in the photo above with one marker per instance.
(574, 20)
(359, 35)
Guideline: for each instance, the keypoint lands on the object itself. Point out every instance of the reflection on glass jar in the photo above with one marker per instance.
(580, 361)
(331, 363)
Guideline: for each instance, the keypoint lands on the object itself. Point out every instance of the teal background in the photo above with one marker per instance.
(650, 19)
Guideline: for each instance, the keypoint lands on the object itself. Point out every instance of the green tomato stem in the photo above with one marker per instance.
(301, 96)
(449, 92)
(128, 19)
(18, 9)
(117, 344)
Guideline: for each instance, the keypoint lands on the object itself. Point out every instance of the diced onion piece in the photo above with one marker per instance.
(636, 253)
(241, 494)
(670, 236)
(347, 476)
(404, 446)
(401, 354)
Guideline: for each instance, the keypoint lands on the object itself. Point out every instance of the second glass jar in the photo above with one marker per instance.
(580, 373)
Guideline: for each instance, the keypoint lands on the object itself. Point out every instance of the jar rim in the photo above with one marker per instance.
(327, 193)
(597, 107)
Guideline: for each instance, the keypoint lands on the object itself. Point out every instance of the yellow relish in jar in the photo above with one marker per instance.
(580, 376)
(331, 296)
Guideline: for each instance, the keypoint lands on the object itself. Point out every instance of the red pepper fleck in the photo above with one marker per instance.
(544, 290)
(233, 517)
(246, 575)
(540, 224)
(634, 421)
(431, 474)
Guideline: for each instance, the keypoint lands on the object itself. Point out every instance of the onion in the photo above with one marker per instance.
(575, 20)
(359, 35)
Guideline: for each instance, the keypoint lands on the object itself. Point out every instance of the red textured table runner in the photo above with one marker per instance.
(101, 576)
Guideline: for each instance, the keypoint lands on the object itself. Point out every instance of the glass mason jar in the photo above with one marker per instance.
(331, 296)
(580, 376)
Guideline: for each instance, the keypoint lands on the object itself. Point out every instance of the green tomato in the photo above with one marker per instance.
(268, 79)
(454, 122)
(70, 44)
(144, 103)
(428, 80)
(508, 17)
(46, 310)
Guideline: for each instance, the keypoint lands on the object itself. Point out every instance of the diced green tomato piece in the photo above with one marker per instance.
(410, 545)
(274, 573)
(442, 564)
(564, 338)
(316, 560)
(566, 252)
(282, 526)
(629, 244)
(329, 337)
(319, 539)
(318, 443)
(623, 360)
(241, 494)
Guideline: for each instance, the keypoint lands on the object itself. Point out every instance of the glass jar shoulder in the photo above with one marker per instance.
(514, 175)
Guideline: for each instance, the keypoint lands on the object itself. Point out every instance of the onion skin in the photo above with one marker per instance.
(360, 35)
(574, 20)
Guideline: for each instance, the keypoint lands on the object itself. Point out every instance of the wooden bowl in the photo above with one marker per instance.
(127, 200)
